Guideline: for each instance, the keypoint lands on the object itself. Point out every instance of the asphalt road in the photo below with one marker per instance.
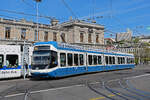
(129, 84)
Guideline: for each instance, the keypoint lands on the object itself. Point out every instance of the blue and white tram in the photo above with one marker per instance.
(10, 61)
(53, 59)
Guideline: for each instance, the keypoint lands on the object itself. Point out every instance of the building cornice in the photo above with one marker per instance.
(82, 23)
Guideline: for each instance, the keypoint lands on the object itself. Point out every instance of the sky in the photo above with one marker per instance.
(115, 15)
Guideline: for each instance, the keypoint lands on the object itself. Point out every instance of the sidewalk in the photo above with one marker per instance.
(142, 66)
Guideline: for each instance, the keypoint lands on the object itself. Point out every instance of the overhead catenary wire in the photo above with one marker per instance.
(22, 13)
(115, 18)
(10, 17)
(34, 8)
(67, 6)
(110, 31)
(28, 4)
(93, 9)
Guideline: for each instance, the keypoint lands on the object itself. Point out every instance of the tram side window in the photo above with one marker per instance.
(70, 60)
(1, 61)
(81, 59)
(132, 60)
(95, 59)
(110, 60)
(106, 60)
(128, 61)
(54, 59)
(90, 59)
(62, 59)
(113, 60)
(12, 61)
(76, 60)
(123, 60)
(119, 60)
(99, 60)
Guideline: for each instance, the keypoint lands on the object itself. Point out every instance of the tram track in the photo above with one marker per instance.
(131, 86)
(125, 90)
(130, 90)
(120, 93)
(98, 92)
(28, 92)
(121, 89)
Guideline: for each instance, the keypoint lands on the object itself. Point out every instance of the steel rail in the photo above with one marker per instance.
(138, 90)
(131, 91)
(119, 93)
(102, 94)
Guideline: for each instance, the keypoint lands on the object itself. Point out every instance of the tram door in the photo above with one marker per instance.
(105, 62)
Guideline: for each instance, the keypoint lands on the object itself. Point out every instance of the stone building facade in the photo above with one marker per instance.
(124, 36)
(73, 31)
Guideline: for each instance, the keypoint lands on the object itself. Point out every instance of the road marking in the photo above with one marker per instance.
(56, 89)
(97, 98)
(44, 90)
(130, 77)
(110, 95)
(138, 76)
(14, 95)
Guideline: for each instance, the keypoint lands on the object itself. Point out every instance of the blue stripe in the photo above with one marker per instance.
(61, 72)
(5, 68)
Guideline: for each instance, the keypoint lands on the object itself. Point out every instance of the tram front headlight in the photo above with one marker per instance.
(35, 48)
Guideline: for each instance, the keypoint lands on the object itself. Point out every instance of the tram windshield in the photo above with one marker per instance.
(44, 59)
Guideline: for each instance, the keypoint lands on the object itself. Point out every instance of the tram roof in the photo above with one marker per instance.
(65, 46)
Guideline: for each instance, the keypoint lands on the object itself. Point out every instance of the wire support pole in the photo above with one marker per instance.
(37, 19)
(24, 69)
